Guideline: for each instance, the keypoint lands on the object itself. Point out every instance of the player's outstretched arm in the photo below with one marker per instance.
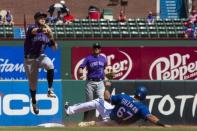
(156, 121)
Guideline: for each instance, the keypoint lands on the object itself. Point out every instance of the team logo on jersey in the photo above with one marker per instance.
(120, 63)
(176, 66)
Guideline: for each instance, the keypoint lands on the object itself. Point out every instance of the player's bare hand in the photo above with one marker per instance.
(108, 84)
(54, 47)
(81, 78)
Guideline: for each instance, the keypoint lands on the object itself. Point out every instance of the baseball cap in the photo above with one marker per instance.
(39, 15)
(96, 45)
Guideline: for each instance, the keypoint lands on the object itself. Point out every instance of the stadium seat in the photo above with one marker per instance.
(96, 29)
(97, 34)
(153, 34)
(60, 34)
(131, 22)
(106, 34)
(107, 14)
(160, 23)
(152, 28)
(115, 34)
(125, 34)
(79, 34)
(70, 34)
(77, 28)
(162, 34)
(134, 34)
(172, 34)
(88, 29)
(87, 34)
(76, 22)
(161, 28)
(94, 23)
(143, 29)
(85, 22)
(115, 28)
(144, 34)
(2, 34)
(140, 20)
(170, 28)
(133, 28)
(113, 23)
(103, 22)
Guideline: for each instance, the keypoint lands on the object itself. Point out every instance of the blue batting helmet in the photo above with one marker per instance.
(141, 92)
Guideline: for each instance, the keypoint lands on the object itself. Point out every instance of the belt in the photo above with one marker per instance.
(31, 57)
(95, 79)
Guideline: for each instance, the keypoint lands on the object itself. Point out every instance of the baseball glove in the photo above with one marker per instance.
(110, 75)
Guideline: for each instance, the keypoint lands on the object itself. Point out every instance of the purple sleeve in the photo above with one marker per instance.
(84, 64)
(29, 30)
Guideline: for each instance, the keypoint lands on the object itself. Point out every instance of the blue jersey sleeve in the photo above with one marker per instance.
(84, 64)
(144, 112)
(115, 99)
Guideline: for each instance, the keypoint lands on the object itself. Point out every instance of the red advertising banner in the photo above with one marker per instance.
(150, 63)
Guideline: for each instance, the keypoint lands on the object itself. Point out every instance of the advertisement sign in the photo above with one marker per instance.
(16, 108)
(12, 63)
(173, 102)
(121, 60)
(150, 63)
(169, 63)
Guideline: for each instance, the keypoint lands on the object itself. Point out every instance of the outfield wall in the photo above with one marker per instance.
(174, 102)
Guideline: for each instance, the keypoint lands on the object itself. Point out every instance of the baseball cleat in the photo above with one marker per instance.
(35, 109)
(66, 105)
(86, 124)
(51, 93)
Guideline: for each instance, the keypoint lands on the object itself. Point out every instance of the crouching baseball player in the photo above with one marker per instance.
(125, 109)
(38, 37)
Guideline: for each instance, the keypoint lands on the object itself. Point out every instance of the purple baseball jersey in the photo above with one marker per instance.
(95, 66)
(35, 45)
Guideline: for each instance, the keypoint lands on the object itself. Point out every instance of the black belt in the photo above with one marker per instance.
(95, 79)
(31, 57)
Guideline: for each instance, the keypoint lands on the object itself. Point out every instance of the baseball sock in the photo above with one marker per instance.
(33, 96)
(50, 75)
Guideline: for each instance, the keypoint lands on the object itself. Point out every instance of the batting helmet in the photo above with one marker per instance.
(39, 15)
(141, 92)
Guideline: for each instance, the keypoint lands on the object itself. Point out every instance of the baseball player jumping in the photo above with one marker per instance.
(38, 37)
(126, 109)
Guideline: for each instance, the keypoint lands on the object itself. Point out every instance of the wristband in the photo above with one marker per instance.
(159, 123)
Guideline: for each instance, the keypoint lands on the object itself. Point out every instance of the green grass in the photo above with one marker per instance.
(95, 129)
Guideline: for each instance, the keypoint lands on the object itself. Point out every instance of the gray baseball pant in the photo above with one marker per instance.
(32, 68)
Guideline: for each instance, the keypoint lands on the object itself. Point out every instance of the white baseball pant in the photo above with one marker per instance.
(103, 107)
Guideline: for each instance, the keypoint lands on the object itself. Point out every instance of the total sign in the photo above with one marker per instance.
(16, 107)
(119, 60)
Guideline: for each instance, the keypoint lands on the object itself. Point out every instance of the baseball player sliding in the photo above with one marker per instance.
(125, 110)
(38, 37)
